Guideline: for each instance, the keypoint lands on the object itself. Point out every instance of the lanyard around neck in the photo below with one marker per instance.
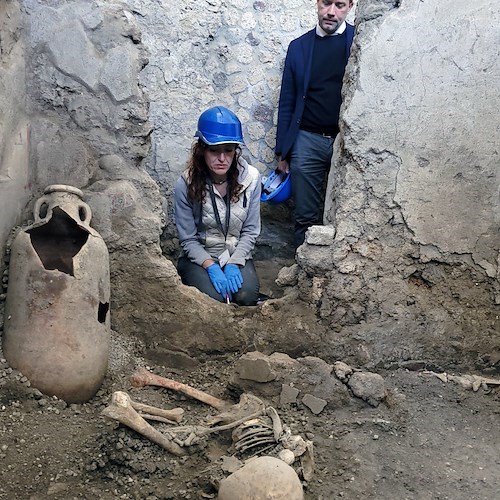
(223, 230)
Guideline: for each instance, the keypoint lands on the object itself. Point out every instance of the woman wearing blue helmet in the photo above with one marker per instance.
(217, 212)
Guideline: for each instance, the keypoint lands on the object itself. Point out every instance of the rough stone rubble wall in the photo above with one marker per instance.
(214, 52)
(414, 259)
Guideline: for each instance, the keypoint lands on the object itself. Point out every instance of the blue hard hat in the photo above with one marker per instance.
(219, 125)
(277, 188)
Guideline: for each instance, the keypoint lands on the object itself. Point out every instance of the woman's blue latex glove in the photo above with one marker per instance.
(234, 278)
(219, 280)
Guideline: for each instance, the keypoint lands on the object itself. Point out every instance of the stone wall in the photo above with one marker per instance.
(214, 52)
(14, 124)
(413, 247)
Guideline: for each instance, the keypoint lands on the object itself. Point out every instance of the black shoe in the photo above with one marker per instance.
(262, 298)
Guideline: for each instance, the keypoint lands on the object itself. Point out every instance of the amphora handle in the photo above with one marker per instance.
(68, 198)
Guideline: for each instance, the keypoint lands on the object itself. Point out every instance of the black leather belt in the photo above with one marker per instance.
(329, 134)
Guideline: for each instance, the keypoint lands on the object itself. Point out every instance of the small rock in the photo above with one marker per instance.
(288, 394)
(288, 276)
(255, 366)
(368, 386)
(316, 405)
(413, 365)
(342, 370)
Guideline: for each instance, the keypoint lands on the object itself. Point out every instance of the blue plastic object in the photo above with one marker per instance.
(277, 188)
(219, 280)
(234, 277)
(219, 125)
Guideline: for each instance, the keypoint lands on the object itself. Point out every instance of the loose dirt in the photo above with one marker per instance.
(430, 440)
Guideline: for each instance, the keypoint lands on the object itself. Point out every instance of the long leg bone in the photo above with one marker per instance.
(152, 413)
(121, 410)
(143, 377)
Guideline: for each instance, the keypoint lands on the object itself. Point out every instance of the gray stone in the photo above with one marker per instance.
(320, 235)
(316, 405)
(263, 113)
(413, 365)
(172, 359)
(368, 386)
(288, 276)
(74, 54)
(255, 366)
(342, 370)
(288, 394)
(315, 259)
(220, 81)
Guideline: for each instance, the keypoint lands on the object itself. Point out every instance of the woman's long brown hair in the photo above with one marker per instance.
(197, 171)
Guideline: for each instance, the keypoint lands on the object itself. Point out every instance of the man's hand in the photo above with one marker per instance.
(283, 166)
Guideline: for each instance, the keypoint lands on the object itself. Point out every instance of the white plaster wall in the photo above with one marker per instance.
(427, 96)
(14, 123)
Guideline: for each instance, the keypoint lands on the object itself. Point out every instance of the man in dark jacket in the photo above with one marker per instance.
(309, 107)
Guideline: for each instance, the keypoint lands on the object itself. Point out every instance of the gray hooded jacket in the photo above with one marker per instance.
(199, 234)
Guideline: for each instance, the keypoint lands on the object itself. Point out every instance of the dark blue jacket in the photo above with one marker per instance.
(294, 84)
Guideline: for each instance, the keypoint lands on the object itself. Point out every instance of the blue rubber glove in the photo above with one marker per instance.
(234, 278)
(219, 280)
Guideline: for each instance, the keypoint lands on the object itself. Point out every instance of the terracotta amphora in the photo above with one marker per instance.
(57, 324)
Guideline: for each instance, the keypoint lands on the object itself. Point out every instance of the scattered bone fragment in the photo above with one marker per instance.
(466, 381)
(277, 425)
(287, 456)
(262, 477)
(307, 462)
(121, 410)
(479, 381)
(442, 376)
(248, 405)
(153, 413)
(476, 384)
(295, 443)
(473, 382)
(143, 377)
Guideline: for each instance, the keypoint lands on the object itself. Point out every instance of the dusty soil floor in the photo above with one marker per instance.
(430, 441)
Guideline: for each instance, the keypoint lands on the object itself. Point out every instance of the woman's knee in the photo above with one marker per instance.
(246, 297)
